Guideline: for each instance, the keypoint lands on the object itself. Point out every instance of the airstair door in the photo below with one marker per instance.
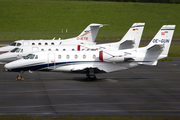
(25, 43)
(35, 49)
(51, 61)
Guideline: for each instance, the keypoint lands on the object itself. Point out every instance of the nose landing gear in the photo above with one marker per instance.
(19, 77)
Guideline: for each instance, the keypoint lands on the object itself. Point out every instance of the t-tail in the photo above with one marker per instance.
(159, 46)
(132, 38)
(89, 34)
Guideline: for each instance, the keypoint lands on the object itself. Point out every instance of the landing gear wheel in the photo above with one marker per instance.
(91, 77)
(19, 78)
(90, 74)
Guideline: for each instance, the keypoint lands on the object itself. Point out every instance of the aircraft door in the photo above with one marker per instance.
(35, 49)
(51, 61)
(25, 43)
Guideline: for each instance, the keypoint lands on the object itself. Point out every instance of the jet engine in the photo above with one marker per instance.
(111, 57)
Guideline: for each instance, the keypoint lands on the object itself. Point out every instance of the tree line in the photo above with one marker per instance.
(143, 1)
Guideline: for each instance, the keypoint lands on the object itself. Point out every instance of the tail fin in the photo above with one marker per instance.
(132, 38)
(159, 46)
(89, 34)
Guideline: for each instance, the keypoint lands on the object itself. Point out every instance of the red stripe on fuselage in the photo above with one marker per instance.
(101, 55)
(79, 48)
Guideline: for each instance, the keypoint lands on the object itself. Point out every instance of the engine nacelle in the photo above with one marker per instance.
(111, 57)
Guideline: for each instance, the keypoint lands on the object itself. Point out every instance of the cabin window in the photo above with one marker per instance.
(52, 43)
(49, 50)
(75, 56)
(57, 49)
(18, 44)
(64, 49)
(33, 43)
(67, 56)
(42, 49)
(13, 44)
(46, 43)
(94, 56)
(39, 43)
(59, 56)
(84, 56)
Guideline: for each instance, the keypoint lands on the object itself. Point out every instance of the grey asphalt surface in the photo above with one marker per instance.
(143, 91)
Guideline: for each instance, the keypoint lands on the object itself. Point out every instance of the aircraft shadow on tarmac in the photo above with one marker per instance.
(84, 79)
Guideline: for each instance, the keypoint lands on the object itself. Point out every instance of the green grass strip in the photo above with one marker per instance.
(45, 19)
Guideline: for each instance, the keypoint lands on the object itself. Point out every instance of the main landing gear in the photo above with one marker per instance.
(19, 77)
(90, 74)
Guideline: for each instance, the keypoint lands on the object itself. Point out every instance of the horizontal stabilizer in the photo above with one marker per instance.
(156, 47)
(148, 63)
(127, 44)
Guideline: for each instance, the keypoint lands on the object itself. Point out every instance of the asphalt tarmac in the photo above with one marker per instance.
(143, 91)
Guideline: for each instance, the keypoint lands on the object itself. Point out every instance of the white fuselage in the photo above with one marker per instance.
(71, 61)
(72, 41)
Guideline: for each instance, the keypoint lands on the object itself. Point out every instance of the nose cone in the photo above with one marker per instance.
(5, 49)
(2, 58)
(8, 57)
(9, 66)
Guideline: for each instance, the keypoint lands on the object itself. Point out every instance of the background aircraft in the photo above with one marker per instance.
(94, 62)
(130, 40)
(87, 37)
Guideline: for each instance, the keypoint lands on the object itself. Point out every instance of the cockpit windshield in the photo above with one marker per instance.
(13, 44)
(15, 50)
(29, 56)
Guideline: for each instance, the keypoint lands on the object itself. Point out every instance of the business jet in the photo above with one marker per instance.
(87, 37)
(95, 62)
(130, 40)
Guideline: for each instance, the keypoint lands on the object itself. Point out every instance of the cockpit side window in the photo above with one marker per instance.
(13, 44)
(36, 57)
(13, 50)
(30, 56)
(18, 44)
(18, 50)
(27, 56)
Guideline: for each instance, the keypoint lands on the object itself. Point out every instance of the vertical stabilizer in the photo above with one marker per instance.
(162, 40)
(132, 38)
(159, 46)
(89, 34)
